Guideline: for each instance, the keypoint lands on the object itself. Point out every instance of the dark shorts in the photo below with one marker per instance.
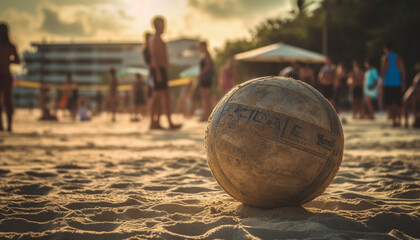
(328, 91)
(206, 80)
(162, 85)
(392, 96)
(357, 92)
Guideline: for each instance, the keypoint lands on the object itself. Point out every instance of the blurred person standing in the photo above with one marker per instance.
(148, 60)
(65, 93)
(30, 96)
(341, 90)
(326, 77)
(69, 95)
(157, 111)
(355, 81)
(412, 95)
(72, 103)
(99, 102)
(393, 74)
(195, 99)
(307, 74)
(160, 63)
(184, 104)
(113, 93)
(139, 99)
(127, 102)
(8, 55)
(227, 76)
(45, 103)
(291, 71)
(205, 79)
(370, 88)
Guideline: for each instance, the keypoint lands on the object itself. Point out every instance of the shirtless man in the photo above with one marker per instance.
(159, 57)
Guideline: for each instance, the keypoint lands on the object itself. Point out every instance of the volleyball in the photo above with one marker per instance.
(273, 142)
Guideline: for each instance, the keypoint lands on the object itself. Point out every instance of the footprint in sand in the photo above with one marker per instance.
(198, 228)
(388, 221)
(31, 189)
(192, 189)
(43, 216)
(178, 208)
(191, 201)
(71, 187)
(4, 172)
(79, 181)
(125, 185)
(128, 214)
(156, 188)
(360, 205)
(407, 194)
(70, 166)
(84, 205)
(40, 174)
(29, 204)
(91, 192)
(22, 226)
(97, 227)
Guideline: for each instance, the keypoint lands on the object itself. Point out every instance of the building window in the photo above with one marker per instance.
(83, 61)
(63, 49)
(110, 49)
(84, 49)
(109, 61)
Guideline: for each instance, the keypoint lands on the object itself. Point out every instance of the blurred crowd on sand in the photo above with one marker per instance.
(360, 88)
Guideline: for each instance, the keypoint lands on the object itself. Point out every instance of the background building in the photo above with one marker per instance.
(89, 62)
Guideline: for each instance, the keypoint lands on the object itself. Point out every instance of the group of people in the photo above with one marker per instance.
(151, 97)
(366, 86)
(156, 56)
(196, 92)
(83, 108)
(134, 102)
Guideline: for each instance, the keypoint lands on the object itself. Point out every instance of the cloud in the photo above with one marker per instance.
(235, 8)
(53, 24)
(62, 20)
(23, 26)
(30, 6)
(84, 21)
(105, 18)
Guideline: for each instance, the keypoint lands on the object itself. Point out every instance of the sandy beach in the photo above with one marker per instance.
(103, 180)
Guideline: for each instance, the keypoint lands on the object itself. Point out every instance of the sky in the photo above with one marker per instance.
(126, 20)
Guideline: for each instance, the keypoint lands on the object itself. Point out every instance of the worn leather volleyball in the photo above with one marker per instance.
(274, 142)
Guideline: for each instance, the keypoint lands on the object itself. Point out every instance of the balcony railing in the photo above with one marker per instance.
(60, 78)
